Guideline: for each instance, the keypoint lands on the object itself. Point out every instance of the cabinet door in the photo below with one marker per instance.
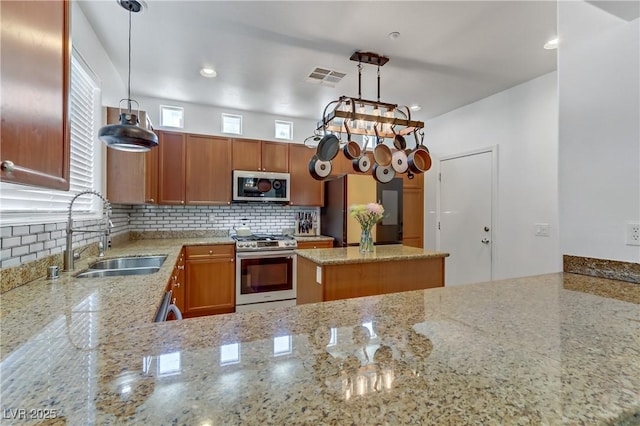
(132, 177)
(208, 170)
(413, 211)
(275, 157)
(34, 82)
(314, 244)
(246, 154)
(171, 168)
(176, 282)
(341, 165)
(210, 287)
(305, 190)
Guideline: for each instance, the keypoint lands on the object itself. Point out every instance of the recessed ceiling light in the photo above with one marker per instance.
(208, 72)
(394, 35)
(415, 107)
(551, 44)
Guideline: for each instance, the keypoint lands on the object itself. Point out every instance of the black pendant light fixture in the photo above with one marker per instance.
(128, 136)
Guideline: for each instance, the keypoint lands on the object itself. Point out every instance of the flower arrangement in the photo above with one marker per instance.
(367, 215)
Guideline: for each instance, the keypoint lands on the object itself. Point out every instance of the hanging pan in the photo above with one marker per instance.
(362, 164)
(399, 161)
(351, 149)
(381, 152)
(319, 169)
(398, 140)
(419, 160)
(383, 174)
(328, 147)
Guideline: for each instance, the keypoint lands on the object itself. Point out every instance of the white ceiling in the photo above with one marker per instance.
(449, 54)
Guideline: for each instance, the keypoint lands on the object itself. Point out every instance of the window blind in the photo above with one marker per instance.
(84, 110)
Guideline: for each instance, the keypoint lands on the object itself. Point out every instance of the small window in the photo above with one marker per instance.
(171, 116)
(284, 130)
(232, 124)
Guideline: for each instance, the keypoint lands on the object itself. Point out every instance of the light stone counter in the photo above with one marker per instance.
(382, 253)
(553, 349)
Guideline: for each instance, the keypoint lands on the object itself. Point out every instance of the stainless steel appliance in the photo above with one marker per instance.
(346, 190)
(265, 271)
(260, 186)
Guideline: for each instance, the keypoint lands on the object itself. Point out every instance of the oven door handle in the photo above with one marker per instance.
(266, 254)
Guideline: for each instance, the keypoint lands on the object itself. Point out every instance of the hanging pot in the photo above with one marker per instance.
(264, 185)
(398, 140)
(399, 161)
(383, 174)
(363, 163)
(419, 160)
(381, 152)
(328, 148)
(351, 149)
(319, 169)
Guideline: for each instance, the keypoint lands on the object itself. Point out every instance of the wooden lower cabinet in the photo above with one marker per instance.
(314, 244)
(344, 281)
(209, 280)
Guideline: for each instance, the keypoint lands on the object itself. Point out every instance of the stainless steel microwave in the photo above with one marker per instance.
(261, 186)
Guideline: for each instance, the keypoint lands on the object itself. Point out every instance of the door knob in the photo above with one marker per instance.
(486, 229)
(485, 241)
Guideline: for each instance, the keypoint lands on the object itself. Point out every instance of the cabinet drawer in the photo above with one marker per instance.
(314, 244)
(226, 250)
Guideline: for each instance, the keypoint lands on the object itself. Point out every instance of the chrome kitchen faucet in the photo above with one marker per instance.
(69, 255)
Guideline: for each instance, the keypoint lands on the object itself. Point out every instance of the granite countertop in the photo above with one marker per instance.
(381, 253)
(550, 349)
(311, 238)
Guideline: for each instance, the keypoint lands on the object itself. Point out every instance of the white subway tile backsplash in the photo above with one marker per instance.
(19, 251)
(10, 242)
(28, 239)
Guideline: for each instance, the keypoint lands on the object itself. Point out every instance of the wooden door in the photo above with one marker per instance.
(208, 170)
(246, 154)
(413, 211)
(275, 157)
(305, 190)
(210, 287)
(34, 82)
(171, 168)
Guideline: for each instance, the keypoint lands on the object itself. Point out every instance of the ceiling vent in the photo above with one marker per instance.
(325, 77)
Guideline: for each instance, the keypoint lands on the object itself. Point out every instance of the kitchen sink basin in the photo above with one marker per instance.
(130, 263)
(99, 273)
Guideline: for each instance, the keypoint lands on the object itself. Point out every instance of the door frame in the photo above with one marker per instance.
(494, 196)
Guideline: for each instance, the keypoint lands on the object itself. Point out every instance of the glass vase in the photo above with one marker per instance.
(366, 241)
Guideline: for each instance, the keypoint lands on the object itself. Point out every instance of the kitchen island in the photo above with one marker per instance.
(341, 273)
(550, 349)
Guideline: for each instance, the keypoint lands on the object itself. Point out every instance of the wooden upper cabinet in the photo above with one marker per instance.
(305, 190)
(260, 155)
(34, 82)
(275, 157)
(208, 170)
(171, 167)
(132, 177)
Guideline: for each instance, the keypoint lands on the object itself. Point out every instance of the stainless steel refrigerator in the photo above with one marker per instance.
(344, 191)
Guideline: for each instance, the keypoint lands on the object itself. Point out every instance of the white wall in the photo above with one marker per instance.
(205, 119)
(599, 133)
(522, 122)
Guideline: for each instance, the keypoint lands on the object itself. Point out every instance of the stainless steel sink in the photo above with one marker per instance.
(98, 273)
(131, 265)
(129, 262)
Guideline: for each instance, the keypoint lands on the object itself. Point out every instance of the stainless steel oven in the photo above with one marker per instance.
(265, 272)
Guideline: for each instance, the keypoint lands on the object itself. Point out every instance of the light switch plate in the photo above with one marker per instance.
(541, 229)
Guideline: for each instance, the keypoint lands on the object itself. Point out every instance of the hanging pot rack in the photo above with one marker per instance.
(350, 108)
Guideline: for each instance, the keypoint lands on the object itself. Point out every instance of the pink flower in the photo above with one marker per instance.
(375, 208)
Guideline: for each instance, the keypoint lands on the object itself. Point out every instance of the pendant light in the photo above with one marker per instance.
(128, 136)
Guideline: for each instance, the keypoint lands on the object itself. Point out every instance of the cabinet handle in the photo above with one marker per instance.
(173, 301)
(151, 200)
(180, 266)
(181, 201)
(7, 166)
(177, 285)
(210, 251)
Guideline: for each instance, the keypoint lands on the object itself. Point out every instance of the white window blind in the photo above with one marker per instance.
(84, 110)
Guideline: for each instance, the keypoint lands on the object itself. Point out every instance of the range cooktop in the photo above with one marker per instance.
(265, 242)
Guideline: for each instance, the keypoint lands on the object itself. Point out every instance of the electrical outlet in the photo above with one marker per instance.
(633, 234)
